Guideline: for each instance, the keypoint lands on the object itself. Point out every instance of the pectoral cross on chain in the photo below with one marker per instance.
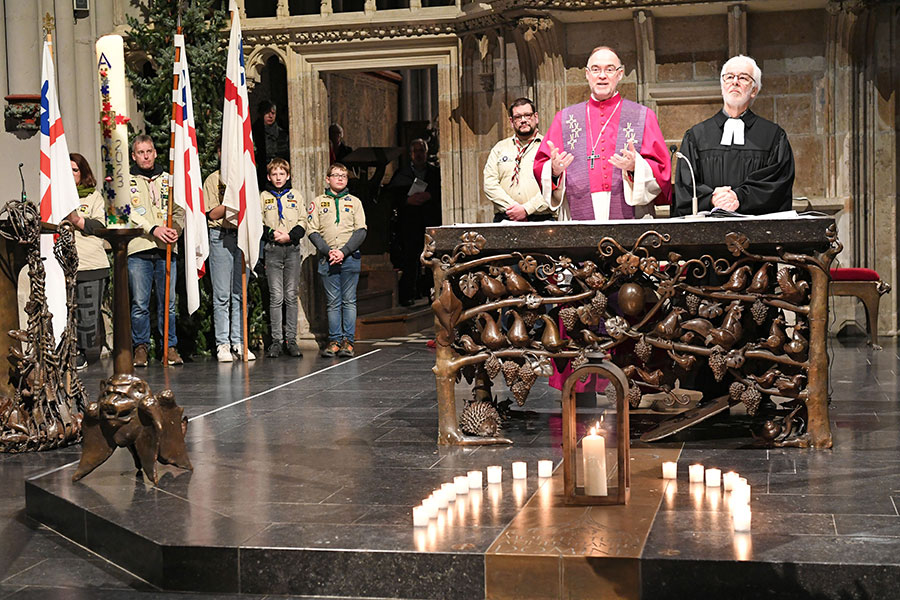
(592, 156)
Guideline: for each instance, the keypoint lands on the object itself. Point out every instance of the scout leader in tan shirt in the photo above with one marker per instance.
(149, 193)
(508, 180)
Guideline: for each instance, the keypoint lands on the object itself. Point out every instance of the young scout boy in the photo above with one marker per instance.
(337, 228)
(282, 209)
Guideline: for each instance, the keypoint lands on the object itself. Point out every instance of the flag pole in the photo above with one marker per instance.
(165, 354)
(245, 347)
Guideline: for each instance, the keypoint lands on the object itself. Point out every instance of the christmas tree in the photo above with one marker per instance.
(202, 24)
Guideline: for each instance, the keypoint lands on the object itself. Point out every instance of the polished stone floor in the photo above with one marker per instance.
(325, 458)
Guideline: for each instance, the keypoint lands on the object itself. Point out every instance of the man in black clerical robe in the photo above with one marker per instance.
(742, 162)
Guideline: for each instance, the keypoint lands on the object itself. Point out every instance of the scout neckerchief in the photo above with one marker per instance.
(337, 196)
(522, 149)
(85, 190)
(278, 194)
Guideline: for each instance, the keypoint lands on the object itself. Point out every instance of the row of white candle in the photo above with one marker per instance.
(731, 482)
(461, 484)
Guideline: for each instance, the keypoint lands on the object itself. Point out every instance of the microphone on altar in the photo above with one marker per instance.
(674, 150)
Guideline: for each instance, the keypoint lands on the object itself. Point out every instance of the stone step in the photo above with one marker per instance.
(395, 321)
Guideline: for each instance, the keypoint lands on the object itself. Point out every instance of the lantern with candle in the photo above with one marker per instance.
(605, 448)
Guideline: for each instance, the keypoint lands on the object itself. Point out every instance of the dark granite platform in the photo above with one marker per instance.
(306, 488)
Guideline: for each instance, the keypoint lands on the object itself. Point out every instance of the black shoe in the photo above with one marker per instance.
(407, 302)
(274, 350)
(293, 349)
(80, 361)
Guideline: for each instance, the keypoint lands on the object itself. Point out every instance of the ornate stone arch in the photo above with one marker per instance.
(257, 59)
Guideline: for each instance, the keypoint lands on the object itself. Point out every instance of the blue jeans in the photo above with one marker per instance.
(340, 296)
(225, 272)
(147, 270)
(283, 274)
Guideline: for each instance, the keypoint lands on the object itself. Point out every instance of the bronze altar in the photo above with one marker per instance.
(744, 300)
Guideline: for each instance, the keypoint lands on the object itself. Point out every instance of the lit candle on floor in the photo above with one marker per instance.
(461, 483)
(495, 474)
(475, 478)
(420, 516)
(728, 480)
(430, 506)
(740, 496)
(695, 473)
(449, 490)
(713, 477)
(545, 468)
(594, 448)
(670, 470)
(440, 497)
(519, 470)
(742, 517)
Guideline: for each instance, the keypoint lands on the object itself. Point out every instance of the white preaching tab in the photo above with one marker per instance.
(733, 131)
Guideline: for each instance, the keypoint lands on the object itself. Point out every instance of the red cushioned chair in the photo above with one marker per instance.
(866, 285)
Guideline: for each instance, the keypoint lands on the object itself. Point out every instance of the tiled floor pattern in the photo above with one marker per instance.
(826, 523)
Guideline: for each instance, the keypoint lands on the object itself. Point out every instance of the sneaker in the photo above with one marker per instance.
(174, 357)
(238, 351)
(346, 349)
(274, 350)
(223, 353)
(293, 349)
(331, 349)
(140, 355)
(80, 361)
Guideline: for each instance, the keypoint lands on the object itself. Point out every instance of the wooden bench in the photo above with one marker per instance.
(866, 285)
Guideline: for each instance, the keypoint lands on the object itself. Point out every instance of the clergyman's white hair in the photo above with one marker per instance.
(757, 72)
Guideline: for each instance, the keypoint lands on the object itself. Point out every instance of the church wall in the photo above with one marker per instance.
(365, 106)
(790, 50)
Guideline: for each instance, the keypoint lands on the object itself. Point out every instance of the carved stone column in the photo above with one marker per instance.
(282, 10)
(861, 65)
(541, 61)
(737, 29)
(308, 118)
(646, 53)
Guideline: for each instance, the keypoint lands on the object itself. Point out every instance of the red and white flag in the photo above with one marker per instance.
(238, 168)
(59, 197)
(187, 183)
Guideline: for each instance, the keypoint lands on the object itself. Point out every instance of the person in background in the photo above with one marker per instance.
(282, 232)
(337, 228)
(416, 194)
(270, 140)
(337, 149)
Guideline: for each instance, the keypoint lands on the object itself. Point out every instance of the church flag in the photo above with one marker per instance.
(238, 169)
(187, 182)
(59, 197)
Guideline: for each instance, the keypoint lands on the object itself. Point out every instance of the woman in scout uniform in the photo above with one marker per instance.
(337, 228)
(282, 230)
(93, 264)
